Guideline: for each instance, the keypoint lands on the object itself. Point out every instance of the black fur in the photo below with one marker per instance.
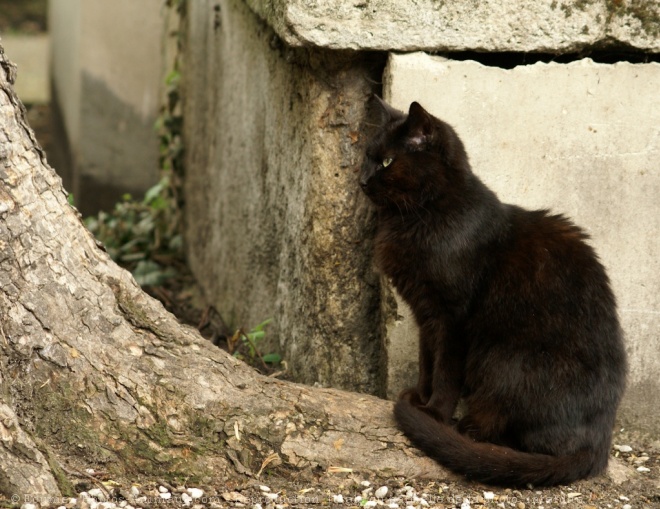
(515, 313)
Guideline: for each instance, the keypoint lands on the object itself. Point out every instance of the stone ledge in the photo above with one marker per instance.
(553, 26)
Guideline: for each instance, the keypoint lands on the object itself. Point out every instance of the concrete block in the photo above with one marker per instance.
(108, 74)
(460, 25)
(581, 139)
(274, 219)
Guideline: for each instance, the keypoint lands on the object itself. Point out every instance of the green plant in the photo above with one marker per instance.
(142, 236)
(245, 346)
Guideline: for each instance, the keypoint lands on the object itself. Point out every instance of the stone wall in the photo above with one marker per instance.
(274, 227)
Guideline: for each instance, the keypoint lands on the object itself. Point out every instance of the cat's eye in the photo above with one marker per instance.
(387, 161)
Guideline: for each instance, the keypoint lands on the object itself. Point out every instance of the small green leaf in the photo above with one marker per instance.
(262, 325)
(154, 191)
(272, 358)
(256, 335)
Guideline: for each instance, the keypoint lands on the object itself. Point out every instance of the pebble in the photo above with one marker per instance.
(381, 492)
(366, 484)
(257, 506)
(234, 496)
(627, 506)
(97, 494)
(272, 496)
(338, 499)
(163, 489)
(165, 495)
(186, 499)
(643, 469)
(465, 504)
(83, 501)
(264, 488)
(370, 503)
(520, 505)
(195, 492)
(489, 495)
(28, 506)
(623, 448)
(135, 491)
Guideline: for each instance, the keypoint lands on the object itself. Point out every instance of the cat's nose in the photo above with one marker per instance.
(365, 176)
(364, 182)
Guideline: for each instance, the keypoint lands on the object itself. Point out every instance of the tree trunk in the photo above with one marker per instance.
(95, 373)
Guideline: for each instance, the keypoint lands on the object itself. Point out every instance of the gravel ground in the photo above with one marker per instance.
(632, 482)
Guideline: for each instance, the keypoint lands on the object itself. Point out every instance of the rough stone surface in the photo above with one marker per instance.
(274, 220)
(581, 139)
(490, 25)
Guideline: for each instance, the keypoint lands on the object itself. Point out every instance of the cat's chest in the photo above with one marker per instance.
(422, 266)
(404, 256)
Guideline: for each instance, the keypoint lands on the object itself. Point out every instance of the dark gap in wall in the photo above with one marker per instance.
(509, 60)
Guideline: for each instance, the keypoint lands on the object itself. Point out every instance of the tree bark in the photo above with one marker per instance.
(94, 372)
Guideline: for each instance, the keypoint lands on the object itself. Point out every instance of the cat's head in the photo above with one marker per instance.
(412, 160)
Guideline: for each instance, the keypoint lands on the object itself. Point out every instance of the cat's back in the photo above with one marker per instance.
(542, 245)
(546, 282)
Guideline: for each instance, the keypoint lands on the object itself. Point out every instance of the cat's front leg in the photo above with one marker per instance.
(420, 395)
(447, 378)
(441, 373)
(424, 388)
(413, 396)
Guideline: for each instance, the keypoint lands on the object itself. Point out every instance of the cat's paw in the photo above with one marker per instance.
(413, 396)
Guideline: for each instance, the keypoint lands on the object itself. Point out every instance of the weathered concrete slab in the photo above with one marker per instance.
(582, 139)
(108, 71)
(274, 217)
(489, 25)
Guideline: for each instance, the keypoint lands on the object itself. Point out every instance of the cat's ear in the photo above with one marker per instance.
(420, 125)
(385, 112)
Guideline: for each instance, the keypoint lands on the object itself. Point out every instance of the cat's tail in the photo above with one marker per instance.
(489, 463)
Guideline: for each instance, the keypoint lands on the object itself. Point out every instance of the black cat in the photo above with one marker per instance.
(515, 314)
